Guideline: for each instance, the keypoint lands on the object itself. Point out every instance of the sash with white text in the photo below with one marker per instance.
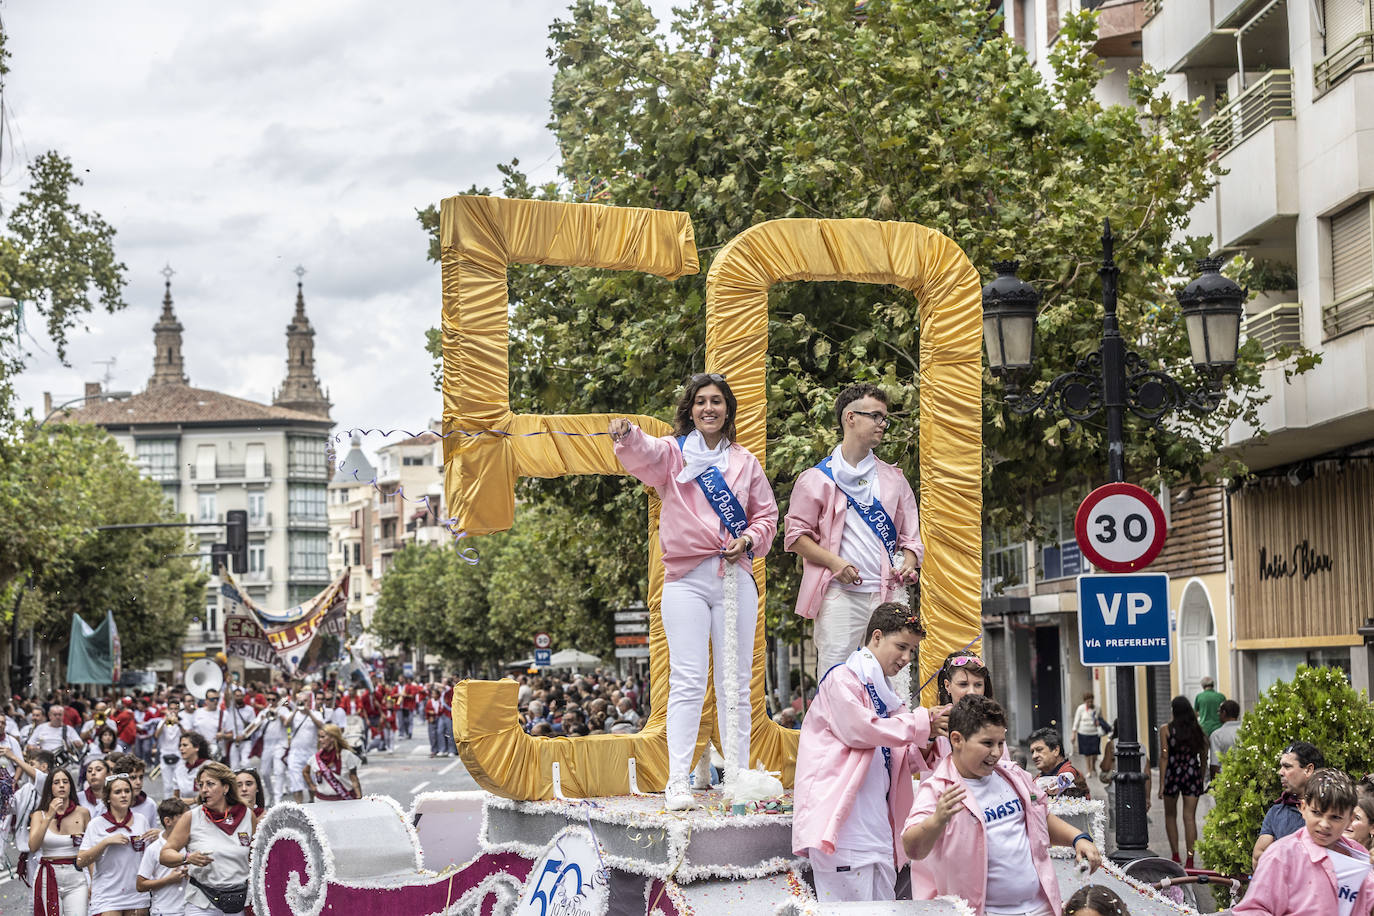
(874, 515)
(722, 499)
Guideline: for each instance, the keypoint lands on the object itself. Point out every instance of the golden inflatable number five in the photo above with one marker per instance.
(481, 236)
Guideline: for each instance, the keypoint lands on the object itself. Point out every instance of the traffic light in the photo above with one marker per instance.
(237, 538)
(219, 558)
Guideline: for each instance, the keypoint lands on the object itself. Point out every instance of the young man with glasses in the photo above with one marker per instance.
(853, 520)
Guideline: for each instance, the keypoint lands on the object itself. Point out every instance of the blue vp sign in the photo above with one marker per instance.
(1124, 620)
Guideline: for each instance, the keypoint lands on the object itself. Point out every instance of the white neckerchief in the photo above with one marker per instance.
(855, 480)
(696, 457)
(865, 664)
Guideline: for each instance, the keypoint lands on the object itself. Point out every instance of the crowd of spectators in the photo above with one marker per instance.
(595, 703)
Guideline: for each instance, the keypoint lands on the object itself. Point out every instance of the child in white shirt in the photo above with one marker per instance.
(167, 885)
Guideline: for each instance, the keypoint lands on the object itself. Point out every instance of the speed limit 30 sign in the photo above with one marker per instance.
(1120, 528)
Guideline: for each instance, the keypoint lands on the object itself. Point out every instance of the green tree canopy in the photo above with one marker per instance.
(929, 113)
(1317, 705)
(75, 478)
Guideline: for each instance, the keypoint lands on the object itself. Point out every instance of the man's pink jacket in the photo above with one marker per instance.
(817, 509)
(958, 863)
(1295, 878)
(689, 530)
(839, 736)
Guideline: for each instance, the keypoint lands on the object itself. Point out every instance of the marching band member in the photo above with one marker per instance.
(167, 738)
(718, 513)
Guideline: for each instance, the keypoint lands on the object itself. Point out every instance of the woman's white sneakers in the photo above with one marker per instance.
(677, 797)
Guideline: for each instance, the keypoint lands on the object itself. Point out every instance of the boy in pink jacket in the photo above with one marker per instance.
(859, 748)
(853, 520)
(1316, 871)
(982, 831)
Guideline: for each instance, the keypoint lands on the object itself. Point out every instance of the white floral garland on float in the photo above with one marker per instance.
(1095, 808)
(730, 729)
(677, 835)
(292, 822)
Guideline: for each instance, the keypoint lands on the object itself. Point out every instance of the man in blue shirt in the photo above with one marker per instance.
(1297, 763)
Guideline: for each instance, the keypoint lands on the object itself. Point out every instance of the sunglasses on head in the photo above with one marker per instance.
(962, 660)
(702, 378)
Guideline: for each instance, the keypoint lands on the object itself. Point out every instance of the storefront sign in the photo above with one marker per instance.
(1302, 559)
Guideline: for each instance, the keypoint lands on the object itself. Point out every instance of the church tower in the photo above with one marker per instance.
(301, 390)
(168, 368)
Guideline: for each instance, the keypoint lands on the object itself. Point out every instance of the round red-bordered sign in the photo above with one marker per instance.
(1120, 528)
(542, 640)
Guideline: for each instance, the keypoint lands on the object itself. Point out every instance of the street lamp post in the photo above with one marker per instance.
(21, 650)
(1111, 382)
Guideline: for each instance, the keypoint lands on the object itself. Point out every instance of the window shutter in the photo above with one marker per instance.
(255, 460)
(1352, 251)
(205, 462)
(1344, 19)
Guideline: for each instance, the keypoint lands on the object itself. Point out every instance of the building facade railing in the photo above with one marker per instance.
(1355, 53)
(231, 472)
(1153, 8)
(1270, 98)
(1349, 314)
(1276, 328)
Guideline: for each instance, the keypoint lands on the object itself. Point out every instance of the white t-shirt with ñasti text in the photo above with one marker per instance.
(1013, 883)
(1350, 875)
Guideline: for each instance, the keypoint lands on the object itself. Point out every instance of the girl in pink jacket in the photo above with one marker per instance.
(718, 514)
(859, 747)
(1316, 871)
(982, 831)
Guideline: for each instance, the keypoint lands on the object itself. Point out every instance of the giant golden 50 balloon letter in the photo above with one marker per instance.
(481, 236)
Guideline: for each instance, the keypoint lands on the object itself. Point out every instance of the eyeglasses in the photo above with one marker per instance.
(702, 378)
(962, 660)
(877, 416)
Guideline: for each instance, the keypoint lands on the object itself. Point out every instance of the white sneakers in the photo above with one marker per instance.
(677, 797)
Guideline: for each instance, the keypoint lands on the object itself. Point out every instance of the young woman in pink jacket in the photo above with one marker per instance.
(703, 539)
(1317, 871)
(982, 831)
(860, 746)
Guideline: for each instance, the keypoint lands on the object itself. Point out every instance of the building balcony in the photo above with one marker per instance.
(1255, 138)
(1276, 328)
(307, 472)
(231, 472)
(260, 522)
(257, 577)
(1348, 314)
(1183, 35)
(388, 508)
(298, 574)
(389, 545)
(308, 522)
(1118, 26)
(1354, 54)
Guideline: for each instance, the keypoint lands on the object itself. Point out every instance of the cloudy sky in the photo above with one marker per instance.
(236, 141)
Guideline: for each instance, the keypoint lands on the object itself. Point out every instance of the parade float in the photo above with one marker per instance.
(577, 825)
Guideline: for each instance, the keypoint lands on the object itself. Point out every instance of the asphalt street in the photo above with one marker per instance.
(402, 774)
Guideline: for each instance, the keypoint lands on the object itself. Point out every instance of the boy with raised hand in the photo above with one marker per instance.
(982, 831)
(859, 747)
(1316, 871)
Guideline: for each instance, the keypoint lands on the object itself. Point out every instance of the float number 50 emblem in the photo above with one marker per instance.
(1120, 528)
(568, 880)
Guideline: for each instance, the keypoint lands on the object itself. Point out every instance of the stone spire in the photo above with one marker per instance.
(167, 365)
(301, 390)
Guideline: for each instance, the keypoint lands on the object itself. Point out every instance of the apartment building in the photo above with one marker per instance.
(213, 452)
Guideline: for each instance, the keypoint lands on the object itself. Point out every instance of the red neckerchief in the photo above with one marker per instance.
(257, 813)
(199, 761)
(120, 825)
(331, 760)
(138, 800)
(227, 821)
(1287, 798)
(90, 797)
(71, 806)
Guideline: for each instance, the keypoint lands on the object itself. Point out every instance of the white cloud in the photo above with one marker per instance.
(237, 141)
